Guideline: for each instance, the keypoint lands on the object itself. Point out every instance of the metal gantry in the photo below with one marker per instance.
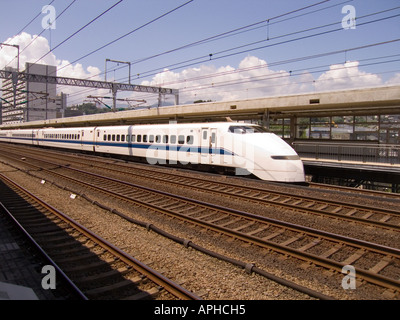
(114, 87)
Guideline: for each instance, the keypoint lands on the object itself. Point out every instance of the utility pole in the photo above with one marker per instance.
(114, 89)
(118, 62)
(15, 46)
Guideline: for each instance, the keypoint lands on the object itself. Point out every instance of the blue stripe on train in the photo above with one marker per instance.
(194, 149)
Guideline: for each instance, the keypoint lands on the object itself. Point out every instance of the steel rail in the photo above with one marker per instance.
(296, 207)
(305, 256)
(153, 275)
(37, 246)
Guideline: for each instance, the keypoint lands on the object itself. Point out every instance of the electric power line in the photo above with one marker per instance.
(76, 32)
(29, 23)
(127, 34)
(33, 40)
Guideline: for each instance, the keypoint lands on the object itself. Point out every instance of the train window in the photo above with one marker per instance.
(181, 139)
(78, 136)
(173, 139)
(158, 138)
(113, 137)
(105, 137)
(189, 139)
(205, 134)
(145, 138)
(151, 138)
(139, 138)
(133, 138)
(213, 136)
(165, 139)
(109, 137)
(123, 138)
(247, 129)
(118, 137)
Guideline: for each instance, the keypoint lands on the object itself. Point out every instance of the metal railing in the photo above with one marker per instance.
(388, 154)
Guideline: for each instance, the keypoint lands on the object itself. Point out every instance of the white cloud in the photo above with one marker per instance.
(35, 50)
(345, 76)
(394, 80)
(39, 48)
(252, 78)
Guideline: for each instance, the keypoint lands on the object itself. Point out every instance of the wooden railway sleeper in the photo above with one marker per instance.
(387, 260)
(354, 257)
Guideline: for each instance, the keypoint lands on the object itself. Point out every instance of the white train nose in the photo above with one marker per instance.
(282, 171)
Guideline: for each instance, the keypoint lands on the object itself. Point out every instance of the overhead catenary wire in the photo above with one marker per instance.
(29, 23)
(195, 61)
(278, 63)
(79, 30)
(236, 29)
(233, 32)
(37, 36)
(206, 58)
(127, 34)
(215, 56)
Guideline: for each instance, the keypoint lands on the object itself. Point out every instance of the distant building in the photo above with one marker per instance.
(33, 101)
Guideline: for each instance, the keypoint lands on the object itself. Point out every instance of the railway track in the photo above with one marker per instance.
(379, 217)
(94, 268)
(374, 263)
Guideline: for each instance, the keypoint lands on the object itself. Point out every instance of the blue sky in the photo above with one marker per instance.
(236, 74)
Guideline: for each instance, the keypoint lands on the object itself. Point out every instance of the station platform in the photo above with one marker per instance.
(358, 171)
(20, 271)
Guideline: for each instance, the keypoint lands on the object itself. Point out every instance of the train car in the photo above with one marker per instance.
(26, 136)
(236, 147)
(5, 135)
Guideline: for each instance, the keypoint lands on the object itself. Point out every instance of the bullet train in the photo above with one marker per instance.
(238, 148)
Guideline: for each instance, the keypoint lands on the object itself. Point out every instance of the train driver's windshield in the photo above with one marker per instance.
(247, 129)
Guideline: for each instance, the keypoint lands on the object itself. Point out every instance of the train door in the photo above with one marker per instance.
(213, 145)
(208, 145)
(35, 136)
(82, 138)
(96, 138)
(205, 146)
